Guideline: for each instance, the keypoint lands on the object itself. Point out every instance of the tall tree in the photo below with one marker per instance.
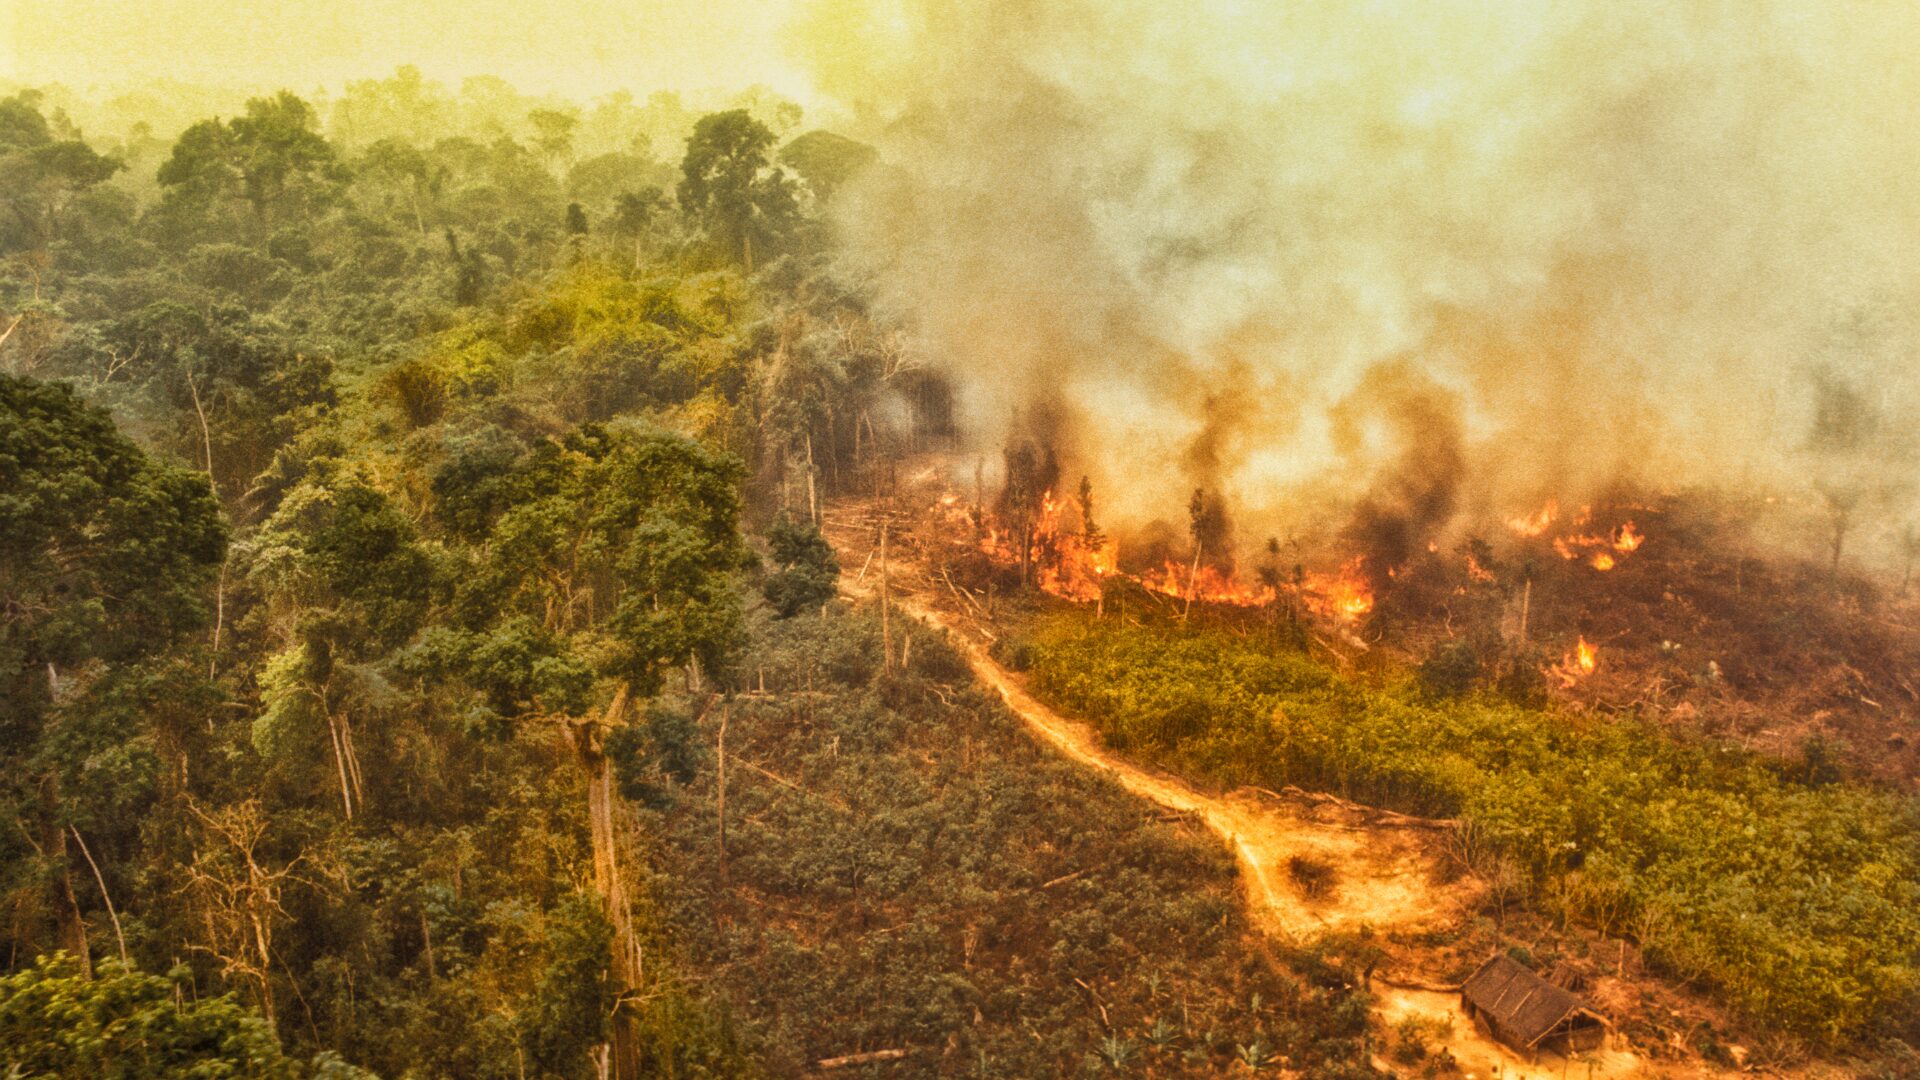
(237, 388)
(730, 187)
(806, 570)
(613, 563)
(344, 583)
(40, 175)
(106, 560)
(271, 160)
(826, 162)
(634, 215)
(393, 173)
(553, 134)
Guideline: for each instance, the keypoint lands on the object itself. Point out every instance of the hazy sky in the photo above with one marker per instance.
(580, 48)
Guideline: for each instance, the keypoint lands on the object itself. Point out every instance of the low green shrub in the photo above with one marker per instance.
(1800, 903)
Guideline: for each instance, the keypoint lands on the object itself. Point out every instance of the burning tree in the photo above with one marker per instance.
(1212, 534)
(1090, 532)
(1030, 480)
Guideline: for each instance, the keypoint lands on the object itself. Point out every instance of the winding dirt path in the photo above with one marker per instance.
(1386, 871)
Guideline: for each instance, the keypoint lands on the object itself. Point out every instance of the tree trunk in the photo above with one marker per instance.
(720, 808)
(71, 926)
(886, 630)
(413, 198)
(624, 963)
(1193, 582)
(220, 587)
(340, 764)
(813, 497)
(101, 880)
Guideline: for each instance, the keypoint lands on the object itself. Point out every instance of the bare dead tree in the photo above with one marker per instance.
(897, 356)
(237, 893)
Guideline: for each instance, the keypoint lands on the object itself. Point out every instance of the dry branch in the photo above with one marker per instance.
(778, 779)
(1076, 875)
(867, 1058)
(965, 595)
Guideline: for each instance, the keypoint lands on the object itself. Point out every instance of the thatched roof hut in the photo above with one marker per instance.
(1528, 1013)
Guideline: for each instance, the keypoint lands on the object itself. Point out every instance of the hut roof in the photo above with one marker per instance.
(1523, 1003)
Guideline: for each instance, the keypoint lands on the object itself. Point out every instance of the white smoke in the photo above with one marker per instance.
(1613, 240)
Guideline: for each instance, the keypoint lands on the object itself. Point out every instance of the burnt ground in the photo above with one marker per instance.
(1702, 628)
(1725, 623)
(1431, 913)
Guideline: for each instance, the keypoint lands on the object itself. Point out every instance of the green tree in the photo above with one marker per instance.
(106, 560)
(123, 1024)
(634, 217)
(553, 134)
(731, 189)
(615, 565)
(272, 160)
(40, 175)
(235, 386)
(344, 583)
(600, 181)
(406, 108)
(394, 173)
(825, 161)
(807, 571)
(1090, 532)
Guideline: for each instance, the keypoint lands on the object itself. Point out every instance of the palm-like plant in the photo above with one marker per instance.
(1255, 1055)
(1116, 1052)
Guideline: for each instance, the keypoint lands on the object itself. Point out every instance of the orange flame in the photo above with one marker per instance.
(1583, 661)
(1344, 596)
(1602, 552)
(1065, 562)
(1476, 572)
(1207, 585)
(1067, 565)
(1536, 523)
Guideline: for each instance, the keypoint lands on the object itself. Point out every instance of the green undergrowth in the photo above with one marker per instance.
(907, 870)
(1800, 904)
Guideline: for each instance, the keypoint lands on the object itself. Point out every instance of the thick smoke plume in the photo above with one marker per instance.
(1378, 266)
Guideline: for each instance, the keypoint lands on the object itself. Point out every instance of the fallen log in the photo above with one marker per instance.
(778, 779)
(965, 596)
(866, 1058)
(1075, 876)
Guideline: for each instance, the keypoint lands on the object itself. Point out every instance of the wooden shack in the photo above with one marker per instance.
(1528, 1013)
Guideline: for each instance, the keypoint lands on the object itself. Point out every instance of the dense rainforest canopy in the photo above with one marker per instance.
(364, 481)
